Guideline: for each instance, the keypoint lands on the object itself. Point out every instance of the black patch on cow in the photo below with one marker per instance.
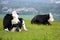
(7, 21)
(41, 19)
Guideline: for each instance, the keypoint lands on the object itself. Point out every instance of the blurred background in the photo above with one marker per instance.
(27, 9)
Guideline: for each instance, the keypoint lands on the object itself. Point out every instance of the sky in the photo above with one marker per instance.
(41, 1)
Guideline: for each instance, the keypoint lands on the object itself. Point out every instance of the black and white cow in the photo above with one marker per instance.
(12, 22)
(42, 19)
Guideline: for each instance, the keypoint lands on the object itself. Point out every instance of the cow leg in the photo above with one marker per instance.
(48, 23)
(44, 23)
(6, 27)
(24, 27)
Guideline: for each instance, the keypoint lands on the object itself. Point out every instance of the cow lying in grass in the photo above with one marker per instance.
(42, 19)
(12, 22)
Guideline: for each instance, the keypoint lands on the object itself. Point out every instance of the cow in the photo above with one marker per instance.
(12, 22)
(42, 19)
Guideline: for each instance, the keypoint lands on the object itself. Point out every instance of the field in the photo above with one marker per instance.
(35, 32)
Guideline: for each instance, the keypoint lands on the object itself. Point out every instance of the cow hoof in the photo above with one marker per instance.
(6, 30)
(26, 30)
(19, 30)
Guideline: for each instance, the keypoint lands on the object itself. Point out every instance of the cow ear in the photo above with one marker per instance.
(18, 13)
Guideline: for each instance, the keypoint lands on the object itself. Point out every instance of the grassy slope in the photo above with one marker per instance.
(35, 32)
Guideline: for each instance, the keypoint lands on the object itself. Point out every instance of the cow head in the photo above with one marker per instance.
(15, 19)
(51, 17)
(14, 14)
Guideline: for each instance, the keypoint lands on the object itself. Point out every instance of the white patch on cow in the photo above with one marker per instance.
(6, 29)
(13, 29)
(14, 14)
(51, 17)
(15, 19)
(24, 27)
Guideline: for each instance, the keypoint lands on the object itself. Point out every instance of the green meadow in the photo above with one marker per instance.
(35, 32)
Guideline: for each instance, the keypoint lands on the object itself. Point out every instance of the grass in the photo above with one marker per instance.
(35, 32)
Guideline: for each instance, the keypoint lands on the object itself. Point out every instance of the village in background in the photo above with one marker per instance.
(31, 7)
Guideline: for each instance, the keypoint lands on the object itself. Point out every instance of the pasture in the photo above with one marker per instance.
(35, 32)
